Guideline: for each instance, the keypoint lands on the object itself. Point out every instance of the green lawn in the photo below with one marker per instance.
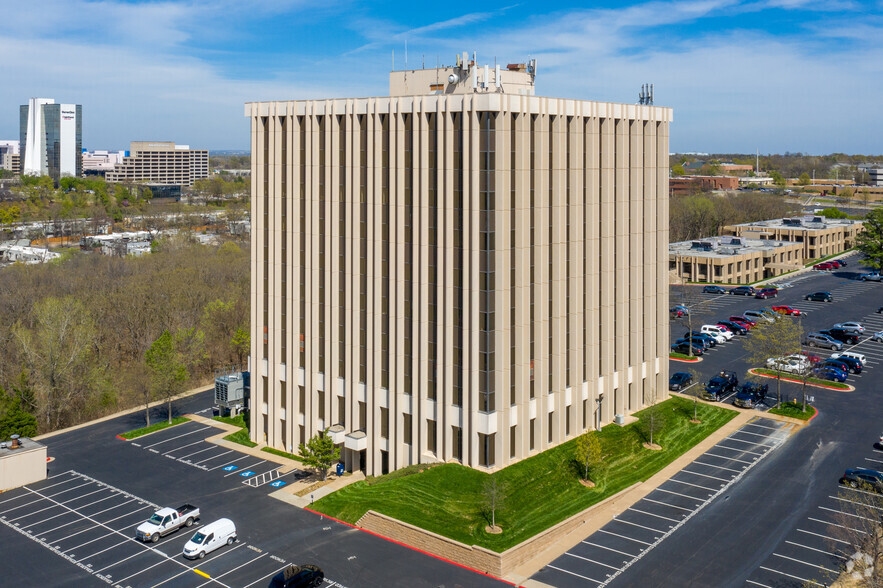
(540, 491)
(794, 409)
(153, 428)
(809, 381)
(281, 453)
(240, 436)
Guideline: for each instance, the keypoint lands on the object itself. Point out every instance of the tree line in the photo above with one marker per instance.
(703, 215)
(95, 334)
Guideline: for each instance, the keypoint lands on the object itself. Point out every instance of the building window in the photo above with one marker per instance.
(533, 428)
(431, 436)
(486, 450)
(384, 423)
(487, 253)
(512, 441)
(406, 428)
(457, 443)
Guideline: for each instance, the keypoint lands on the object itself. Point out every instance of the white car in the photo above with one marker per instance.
(715, 330)
(851, 326)
(793, 364)
(852, 354)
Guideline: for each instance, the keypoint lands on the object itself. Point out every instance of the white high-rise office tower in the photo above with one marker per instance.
(51, 138)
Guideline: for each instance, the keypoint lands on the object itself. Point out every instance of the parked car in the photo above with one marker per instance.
(851, 326)
(813, 359)
(819, 297)
(678, 311)
(209, 538)
(840, 365)
(758, 316)
(850, 364)
(878, 336)
(842, 262)
(710, 341)
(880, 310)
(165, 521)
(822, 340)
(717, 330)
(684, 347)
(841, 335)
(766, 293)
(823, 267)
(744, 290)
(852, 354)
(829, 373)
(786, 310)
(793, 364)
(750, 395)
(872, 277)
(302, 576)
(835, 262)
(720, 385)
(744, 321)
(679, 381)
(734, 327)
(712, 289)
(863, 478)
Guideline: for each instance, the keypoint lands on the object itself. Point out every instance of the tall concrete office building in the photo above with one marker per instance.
(461, 271)
(51, 138)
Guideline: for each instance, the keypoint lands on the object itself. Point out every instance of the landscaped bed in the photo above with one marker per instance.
(683, 356)
(153, 428)
(786, 377)
(539, 491)
(794, 410)
(240, 436)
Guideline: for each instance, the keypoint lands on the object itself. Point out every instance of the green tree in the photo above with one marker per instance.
(870, 240)
(14, 416)
(776, 339)
(778, 179)
(241, 343)
(320, 453)
(677, 170)
(653, 420)
(168, 372)
(587, 452)
(804, 179)
(833, 213)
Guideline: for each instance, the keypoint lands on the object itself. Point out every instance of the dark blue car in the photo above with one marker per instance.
(679, 380)
(830, 373)
(710, 289)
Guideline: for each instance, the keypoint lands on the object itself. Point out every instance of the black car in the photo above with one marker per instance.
(854, 365)
(720, 385)
(819, 297)
(710, 289)
(736, 328)
(302, 576)
(841, 335)
(679, 380)
(750, 395)
(863, 478)
(709, 340)
(684, 347)
(840, 365)
(744, 290)
(697, 342)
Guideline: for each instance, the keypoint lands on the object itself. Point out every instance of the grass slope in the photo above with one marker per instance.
(240, 436)
(540, 491)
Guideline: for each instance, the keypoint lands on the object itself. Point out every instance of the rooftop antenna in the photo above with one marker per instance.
(646, 95)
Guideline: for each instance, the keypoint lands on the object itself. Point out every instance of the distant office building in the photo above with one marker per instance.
(51, 137)
(10, 158)
(818, 236)
(161, 163)
(686, 185)
(459, 271)
(876, 176)
(100, 162)
(733, 260)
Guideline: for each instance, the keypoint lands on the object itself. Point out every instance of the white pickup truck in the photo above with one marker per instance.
(166, 520)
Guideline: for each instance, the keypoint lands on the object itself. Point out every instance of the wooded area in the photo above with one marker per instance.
(77, 333)
(702, 215)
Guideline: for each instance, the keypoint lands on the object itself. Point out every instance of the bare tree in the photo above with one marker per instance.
(857, 535)
(774, 340)
(493, 494)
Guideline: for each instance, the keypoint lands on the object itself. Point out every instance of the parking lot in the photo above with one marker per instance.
(186, 444)
(604, 555)
(91, 525)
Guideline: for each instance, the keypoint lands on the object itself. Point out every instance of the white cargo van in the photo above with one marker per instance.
(717, 331)
(210, 537)
(856, 356)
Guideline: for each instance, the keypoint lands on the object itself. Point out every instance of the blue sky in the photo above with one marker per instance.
(775, 75)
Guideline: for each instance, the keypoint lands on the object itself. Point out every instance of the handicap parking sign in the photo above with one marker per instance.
(246, 474)
(277, 484)
(230, 468)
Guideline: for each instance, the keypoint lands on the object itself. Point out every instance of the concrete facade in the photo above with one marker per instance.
(22, 465)
(819, 236)
(733, 260)
(162, 163)
(471, 277)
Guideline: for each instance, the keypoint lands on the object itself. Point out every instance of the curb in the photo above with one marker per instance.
(849, 388)
(694, 360)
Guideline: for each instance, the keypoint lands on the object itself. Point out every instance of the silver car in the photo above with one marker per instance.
(819, 340)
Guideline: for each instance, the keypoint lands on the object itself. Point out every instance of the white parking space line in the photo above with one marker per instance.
(849, 514)
(679, 494)
(764, 435)
(32, 525)
(52, 530)
(574, 574)
(5, 512)
(806, 563)
(245, 468)
(177, 437)
(790, 576)
(128, 558)
(717, 466)
(591, 560)
(758, 584)
(72, 552)
(99, 538)
(226, 463)
(739, 450)
(731, 438)
(637, 525)
(270, 575)
(837, 525)
(608, 548)
(624, 537)
(814, 549)
(197, 452)
(667, 504)
(183, 446)
(686, 471)
(762, 426)
(654, 515)
(128, 514)
(690, 484)
(823, 536)
(854, 502)
(729, 458)
(202, 461)
(234, 569)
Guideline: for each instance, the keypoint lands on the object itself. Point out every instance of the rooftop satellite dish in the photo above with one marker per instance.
(453, 79)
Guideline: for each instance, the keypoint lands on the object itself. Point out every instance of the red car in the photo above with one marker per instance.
(785, 309)
(812, 358)
(836, 263)
(741, 320)
(827, 266)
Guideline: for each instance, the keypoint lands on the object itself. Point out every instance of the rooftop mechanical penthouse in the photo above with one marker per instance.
(460, 271)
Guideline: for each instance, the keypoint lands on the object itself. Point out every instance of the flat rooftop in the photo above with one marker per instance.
(722, 247)
(26, 445)
(807, 222)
